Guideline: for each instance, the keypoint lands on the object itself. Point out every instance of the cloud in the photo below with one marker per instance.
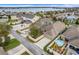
(71, 5)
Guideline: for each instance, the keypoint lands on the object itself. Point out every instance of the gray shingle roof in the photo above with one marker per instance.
(71, 33)
(29, 16)
(75, 42)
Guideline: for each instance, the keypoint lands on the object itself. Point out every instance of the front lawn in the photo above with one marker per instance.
(12, 44)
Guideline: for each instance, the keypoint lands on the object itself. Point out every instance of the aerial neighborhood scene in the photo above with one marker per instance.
(39, 29)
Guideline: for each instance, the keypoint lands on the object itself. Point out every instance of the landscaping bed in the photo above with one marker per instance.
(25, 53)
(35, 32)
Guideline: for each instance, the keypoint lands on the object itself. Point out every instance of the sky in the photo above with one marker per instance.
(39, 5)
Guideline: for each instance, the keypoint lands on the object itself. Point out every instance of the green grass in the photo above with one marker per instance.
(12, 44)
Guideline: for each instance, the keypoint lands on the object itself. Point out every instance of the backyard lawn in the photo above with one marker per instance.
(12, 44)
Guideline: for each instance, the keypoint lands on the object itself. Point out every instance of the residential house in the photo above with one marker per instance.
(54, 29)
(43, 23)
(3, 18)
(73, 47)
(72, 35)
(30, 17)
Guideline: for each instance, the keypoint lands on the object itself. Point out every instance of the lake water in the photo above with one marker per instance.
(29, 9)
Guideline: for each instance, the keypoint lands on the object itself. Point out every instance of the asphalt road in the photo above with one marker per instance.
(30, 46)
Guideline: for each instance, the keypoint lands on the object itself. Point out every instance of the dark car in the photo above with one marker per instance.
(74, 48)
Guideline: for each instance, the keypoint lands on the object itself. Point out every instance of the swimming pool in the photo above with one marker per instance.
(71, 17)
(59, 42)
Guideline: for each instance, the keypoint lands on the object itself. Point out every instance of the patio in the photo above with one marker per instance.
(58, 45)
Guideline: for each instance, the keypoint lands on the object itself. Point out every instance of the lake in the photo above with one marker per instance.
(29, 9)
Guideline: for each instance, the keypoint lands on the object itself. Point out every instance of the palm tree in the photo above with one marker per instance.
(9, 18)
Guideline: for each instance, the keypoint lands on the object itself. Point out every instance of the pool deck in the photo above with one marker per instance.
(56, 48)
